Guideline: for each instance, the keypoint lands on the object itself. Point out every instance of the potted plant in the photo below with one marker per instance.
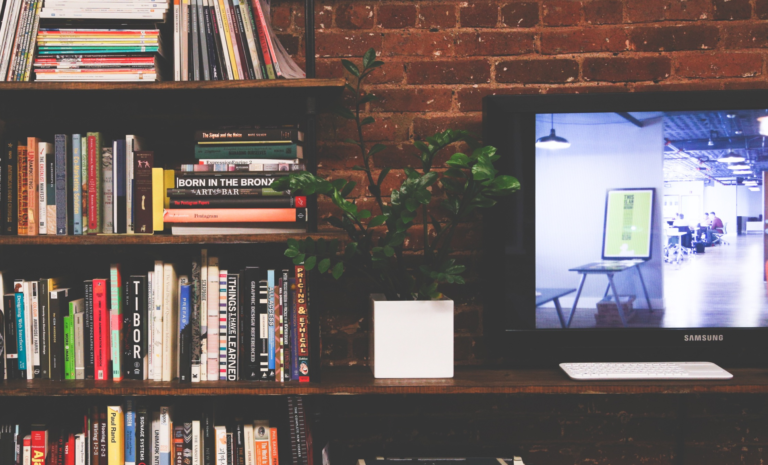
(411, 321)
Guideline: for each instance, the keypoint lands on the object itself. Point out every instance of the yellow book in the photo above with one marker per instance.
(157, 199)
(230, 48)
(116, 435)
(170, 183)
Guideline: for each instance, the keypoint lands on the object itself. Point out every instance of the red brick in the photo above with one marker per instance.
(449, 72)
(291, 44)
(471, 98)
(688, 10)
(479, 14)
(328, 69)
(398, 157)
(677, 86)
(583, 40)
(396, 16)
(422, 99)
(621, 69)
(326, 207)
(427, 126)
(323, 16)
(494, 43)
(393, 181)
(729, 10)
(338, 156)
(588, 89)
(672, 38)
(386, 128)
(707, 65)
(338, 44)
(645, 11)
(744, 84)
(354, 16)
(281, 17)
(437, 44)
(604, 12)
(745, 36)
(390, 72)
(438, 15)
(537, 71)
(761, 9)
(520, 14)
(561, 12)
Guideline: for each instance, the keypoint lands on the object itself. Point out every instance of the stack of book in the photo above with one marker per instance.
(139, 11)
(19, 21)
(134, 432)
(98, 55)
(209, 324)
(228, 191)
(228, 40)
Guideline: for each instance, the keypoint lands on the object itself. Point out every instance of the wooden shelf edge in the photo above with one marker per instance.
(329, 84)
(160, 239)
(361, 382)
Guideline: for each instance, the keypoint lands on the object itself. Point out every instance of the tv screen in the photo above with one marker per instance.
(632, 218)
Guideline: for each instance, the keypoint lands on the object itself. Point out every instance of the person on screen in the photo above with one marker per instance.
(680, 221)
(683, 226)
(716, 227)
(701, 230)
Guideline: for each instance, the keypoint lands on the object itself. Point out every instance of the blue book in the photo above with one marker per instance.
(185, 335)
(21, 339)
(120, 209)
(60, 150)
(77, 186)
(271, 321)
(130, 432)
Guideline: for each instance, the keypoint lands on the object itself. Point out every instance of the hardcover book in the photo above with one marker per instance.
(10, 195)
(142, 200)
(194, 322)
(62, 156)
(77, 185)
(223, 325)
(21, 187)
(59, 309)
(45, 156)
(50, 194)
(119, 221)
(233, 351)
(101, 330)
(95, 194)
(302, 317)
(252, 340)
(136, 308)
(107, 155)
(185, 334)
(133, 144)
(116, 435)
(116, 320)
(212, 349)
(33, 186)
(271, 322)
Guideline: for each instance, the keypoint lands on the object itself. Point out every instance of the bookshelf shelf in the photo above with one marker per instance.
(331, 85)
(162, 239)
(345, 381)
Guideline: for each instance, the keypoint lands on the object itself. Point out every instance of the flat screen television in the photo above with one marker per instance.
(626, 241)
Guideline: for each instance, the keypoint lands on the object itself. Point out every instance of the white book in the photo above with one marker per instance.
(35, 327)
(154, 451)
(166, 434)
(157, 338)
(170, 318)
(43, 149)
(107, 158)
(221, 444)
(79, 325)
(260, 435)
(150, 371)
(204, 315)
(248, 161)
(249, 37)
(132, 145)
(121, 4)
(29, 338)
(7, 33)
(111, 9)
(223, 325)
(184, 41)
(250, 456)
(197, 445)
(80, 14)
(213, 319)
(80, 452)
(176, 42)
(97, 77)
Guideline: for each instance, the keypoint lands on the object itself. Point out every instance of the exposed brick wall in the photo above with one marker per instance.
(443, 57)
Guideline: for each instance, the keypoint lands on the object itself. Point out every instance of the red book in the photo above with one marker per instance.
(268, 51)
(302, 323)
(39, 444)
(93, 187)
(235, 215)
(101, 346)
(69, 450)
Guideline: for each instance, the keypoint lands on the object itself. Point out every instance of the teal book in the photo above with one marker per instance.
(69, 347)
(84, 51)
(21, 339)
(254, 151)
(77, 186)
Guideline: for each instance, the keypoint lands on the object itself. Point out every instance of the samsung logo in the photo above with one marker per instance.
(702, 337)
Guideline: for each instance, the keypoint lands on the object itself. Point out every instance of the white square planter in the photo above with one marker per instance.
(411, 338)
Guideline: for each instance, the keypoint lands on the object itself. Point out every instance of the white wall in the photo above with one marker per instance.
(748, 203)
(606, 152)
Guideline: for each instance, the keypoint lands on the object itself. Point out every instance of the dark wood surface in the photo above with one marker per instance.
(360, 381)
(173, 85)
(142, 239)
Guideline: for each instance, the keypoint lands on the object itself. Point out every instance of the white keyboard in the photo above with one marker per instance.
(663, 370)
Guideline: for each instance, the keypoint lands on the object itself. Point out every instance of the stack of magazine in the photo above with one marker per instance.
(19, 21)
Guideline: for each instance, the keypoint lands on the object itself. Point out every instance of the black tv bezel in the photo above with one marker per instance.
(509, 125)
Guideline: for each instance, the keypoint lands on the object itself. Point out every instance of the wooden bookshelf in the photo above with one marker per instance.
(162, 239)
(315, 85)
(348, 381)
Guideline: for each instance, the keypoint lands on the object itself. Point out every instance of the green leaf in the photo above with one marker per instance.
(351, 89)
(424, 148)
(299, 259)
(411, 173)
(407, 216)
(487, 151)
(429, 179)
(369, 57)
(339, 184)
(351, 67)
(333, 246)
(411, 204)
(356, 168)
(348, 188)
(291, 252)
(455, 173)
(483, 169)
(382, 175)
(456, 269)
(375, 65)
(293, 243)
(458, 280)
(338, 269)
(423, 196)
(376, 149)
(503, 184)
(350, 249)
(363, 214)
(310, 245)
(335, 222)
(377, 221)
(458, 160)
(344, 112)
(483, 202)
(367, 120)
(389, 251)
(324, 264)
(310, 262)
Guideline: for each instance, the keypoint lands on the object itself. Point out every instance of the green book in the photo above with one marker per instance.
(254, 151)
(69, 347)
(94, 182)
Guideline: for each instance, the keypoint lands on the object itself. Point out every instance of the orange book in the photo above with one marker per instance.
(261, 432)
(23, 192)
(273, 447)
(33, 187)
(235, 215)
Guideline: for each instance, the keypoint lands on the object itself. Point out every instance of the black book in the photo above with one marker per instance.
(205, 69)
(195, 323)
(263, 324)
(208, 437)
(187, 436)
(243, 39)
(35, 290)
(219, 51)
(213, 63)
(142, 437)
(90, 356)
(136, 328)
(59, 309)
(286, 325)
(233, 298)
(9, 181)
(44, 327)
(251, 340)
(239, 443)
(231, 454)
(11, 341)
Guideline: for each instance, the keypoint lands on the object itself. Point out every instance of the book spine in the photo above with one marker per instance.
(261, 27)
(11, 193)
(116, 444)
(195, 322)
(185, 335)
(271, 322)
(213, 319)
(203, 39)
(261, 151)
(77, 185)
(11, 338)
(157, 315)
(251, 40)
(286, 327)
(239, 439)
(210, 38)
(184, 39)
(120, 225)
(158, 185)
(130, 432)
(50, 211)
(278, 332)
(155, 438)
(166, 433)
(62, 141)
(69, 348)
(23, 212)
(187, 441)
(142, 206)
(235, 215)
(84, 181)
(294, 329)
(79, 345)
(245, 54)
(142, 438)
(176, 40)
(35, 307)
(44, 321)
(233, 350)
(101, 330)
(42, 192)
(261, 442)
(263, 323)
(116, 320)
(250, 297)
(208, 439)
(222, 325)
(136, 335)
(170, 321)
(226, 11)
(237, 202)
(21, 337)
(103, 438)
(57, 308)
(302, 317)
(95, 439)
(197, 445)
(268, 134)
(273, 449)
(130, 150)
(203, 345)
(222, 41)
(94, 183)
(195, 38)
(89, 331)
(150, 333)
(107, 158)
(221, 445)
